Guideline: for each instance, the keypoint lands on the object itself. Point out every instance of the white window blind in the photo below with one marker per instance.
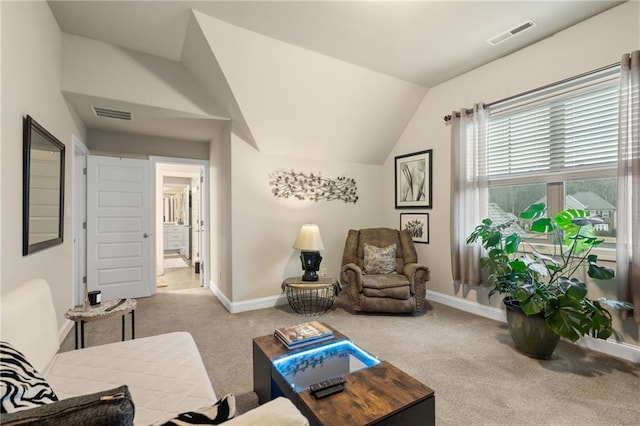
(562, 134)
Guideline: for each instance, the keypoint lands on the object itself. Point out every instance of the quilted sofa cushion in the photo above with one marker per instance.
(164, 373)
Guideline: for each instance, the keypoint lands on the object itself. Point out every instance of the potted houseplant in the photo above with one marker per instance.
(543, 297)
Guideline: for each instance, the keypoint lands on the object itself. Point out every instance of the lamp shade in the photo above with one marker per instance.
(309, 239)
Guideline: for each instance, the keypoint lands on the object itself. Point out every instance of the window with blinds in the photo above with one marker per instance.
(557, 146)
(560, 135)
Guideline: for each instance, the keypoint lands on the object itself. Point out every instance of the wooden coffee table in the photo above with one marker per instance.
(378, 395)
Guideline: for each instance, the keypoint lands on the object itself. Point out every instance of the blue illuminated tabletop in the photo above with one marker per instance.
(335, 359)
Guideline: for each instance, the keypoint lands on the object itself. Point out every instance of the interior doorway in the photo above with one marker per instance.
(181, 219)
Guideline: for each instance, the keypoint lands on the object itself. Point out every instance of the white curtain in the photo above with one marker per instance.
(628, 209)
(469, 193)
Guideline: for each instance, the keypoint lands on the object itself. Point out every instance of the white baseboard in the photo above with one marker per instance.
(609, 347)
(64, 330)
(490, 312)
(247, 305)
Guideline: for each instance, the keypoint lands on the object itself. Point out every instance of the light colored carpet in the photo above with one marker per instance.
(469, 361)
(175, 263)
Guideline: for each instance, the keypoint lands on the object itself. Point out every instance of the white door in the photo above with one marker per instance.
(119, 227)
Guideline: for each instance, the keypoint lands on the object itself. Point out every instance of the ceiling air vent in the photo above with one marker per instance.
(112, 113)
(495, 40)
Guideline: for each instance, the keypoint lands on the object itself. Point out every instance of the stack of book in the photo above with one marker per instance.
(300, 335)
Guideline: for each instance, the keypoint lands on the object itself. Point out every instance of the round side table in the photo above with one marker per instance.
(311, 297)
(106, 309)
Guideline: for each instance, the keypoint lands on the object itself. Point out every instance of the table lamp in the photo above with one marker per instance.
(309, 243)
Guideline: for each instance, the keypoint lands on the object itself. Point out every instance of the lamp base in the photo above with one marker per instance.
(310, 263)
(310, 276)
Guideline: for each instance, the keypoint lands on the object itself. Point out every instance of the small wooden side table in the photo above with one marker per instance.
(104, 310)
(311, 297)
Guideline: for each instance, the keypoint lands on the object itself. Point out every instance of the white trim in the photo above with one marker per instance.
(609, 347)
(79, 214)
(247, 305)
(204, 200)
(64, 330)
(475, 308)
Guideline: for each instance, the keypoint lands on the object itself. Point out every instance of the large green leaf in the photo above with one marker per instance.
(599, 319)
(564, 219)
(599, 272)
(495, 264)
(583, 239)
(576, 290)
(518, 266)
(531, 302)
(512, 242)
(534, 305)
(542, 226)
(534, 211)
(567, 319)
(577, 226)
(492, 239)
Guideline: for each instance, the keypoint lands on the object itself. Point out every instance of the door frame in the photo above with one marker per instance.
(204, 200)
(79, 208)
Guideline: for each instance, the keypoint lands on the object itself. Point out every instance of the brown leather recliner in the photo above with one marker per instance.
(402, 291)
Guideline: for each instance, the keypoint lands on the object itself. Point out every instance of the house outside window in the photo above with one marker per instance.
(557, 147)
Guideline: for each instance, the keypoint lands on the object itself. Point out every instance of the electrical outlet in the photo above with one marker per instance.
(323, 272)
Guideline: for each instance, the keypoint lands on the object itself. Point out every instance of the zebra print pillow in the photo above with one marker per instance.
(223, 410)
(21, 386)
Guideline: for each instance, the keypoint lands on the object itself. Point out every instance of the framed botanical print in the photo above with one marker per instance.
(418, 226)
(413, 174)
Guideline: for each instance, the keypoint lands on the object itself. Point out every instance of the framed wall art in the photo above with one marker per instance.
(418, 226)
(413, 180)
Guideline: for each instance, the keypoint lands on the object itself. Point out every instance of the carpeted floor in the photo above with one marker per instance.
(478, 378)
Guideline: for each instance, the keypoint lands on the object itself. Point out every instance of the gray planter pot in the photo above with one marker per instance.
(530, 334)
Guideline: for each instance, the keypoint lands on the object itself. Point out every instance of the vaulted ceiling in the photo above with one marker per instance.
(292, 77)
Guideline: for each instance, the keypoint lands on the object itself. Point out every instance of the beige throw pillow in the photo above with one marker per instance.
(379, 260)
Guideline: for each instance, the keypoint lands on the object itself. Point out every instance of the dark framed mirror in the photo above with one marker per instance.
(43, 188)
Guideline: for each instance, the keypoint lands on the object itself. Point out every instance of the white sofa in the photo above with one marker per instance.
(164, 373)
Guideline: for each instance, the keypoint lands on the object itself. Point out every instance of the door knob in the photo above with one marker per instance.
(146, 235)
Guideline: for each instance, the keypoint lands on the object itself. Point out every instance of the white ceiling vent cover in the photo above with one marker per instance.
(112, 113)
(495, 40)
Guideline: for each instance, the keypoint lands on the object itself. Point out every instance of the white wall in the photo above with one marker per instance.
(103, 70)
(31, 55)
(101, 142)
(592, 44)
(293, 98)
(264, 227)
(220, 212)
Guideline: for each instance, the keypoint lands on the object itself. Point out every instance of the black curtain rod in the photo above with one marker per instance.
(447, 118)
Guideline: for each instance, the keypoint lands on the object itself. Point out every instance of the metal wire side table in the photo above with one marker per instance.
(311, 297)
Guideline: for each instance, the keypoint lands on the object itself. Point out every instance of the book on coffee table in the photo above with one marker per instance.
(303, 334)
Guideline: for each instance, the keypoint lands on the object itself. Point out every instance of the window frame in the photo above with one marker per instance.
(555, 180)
